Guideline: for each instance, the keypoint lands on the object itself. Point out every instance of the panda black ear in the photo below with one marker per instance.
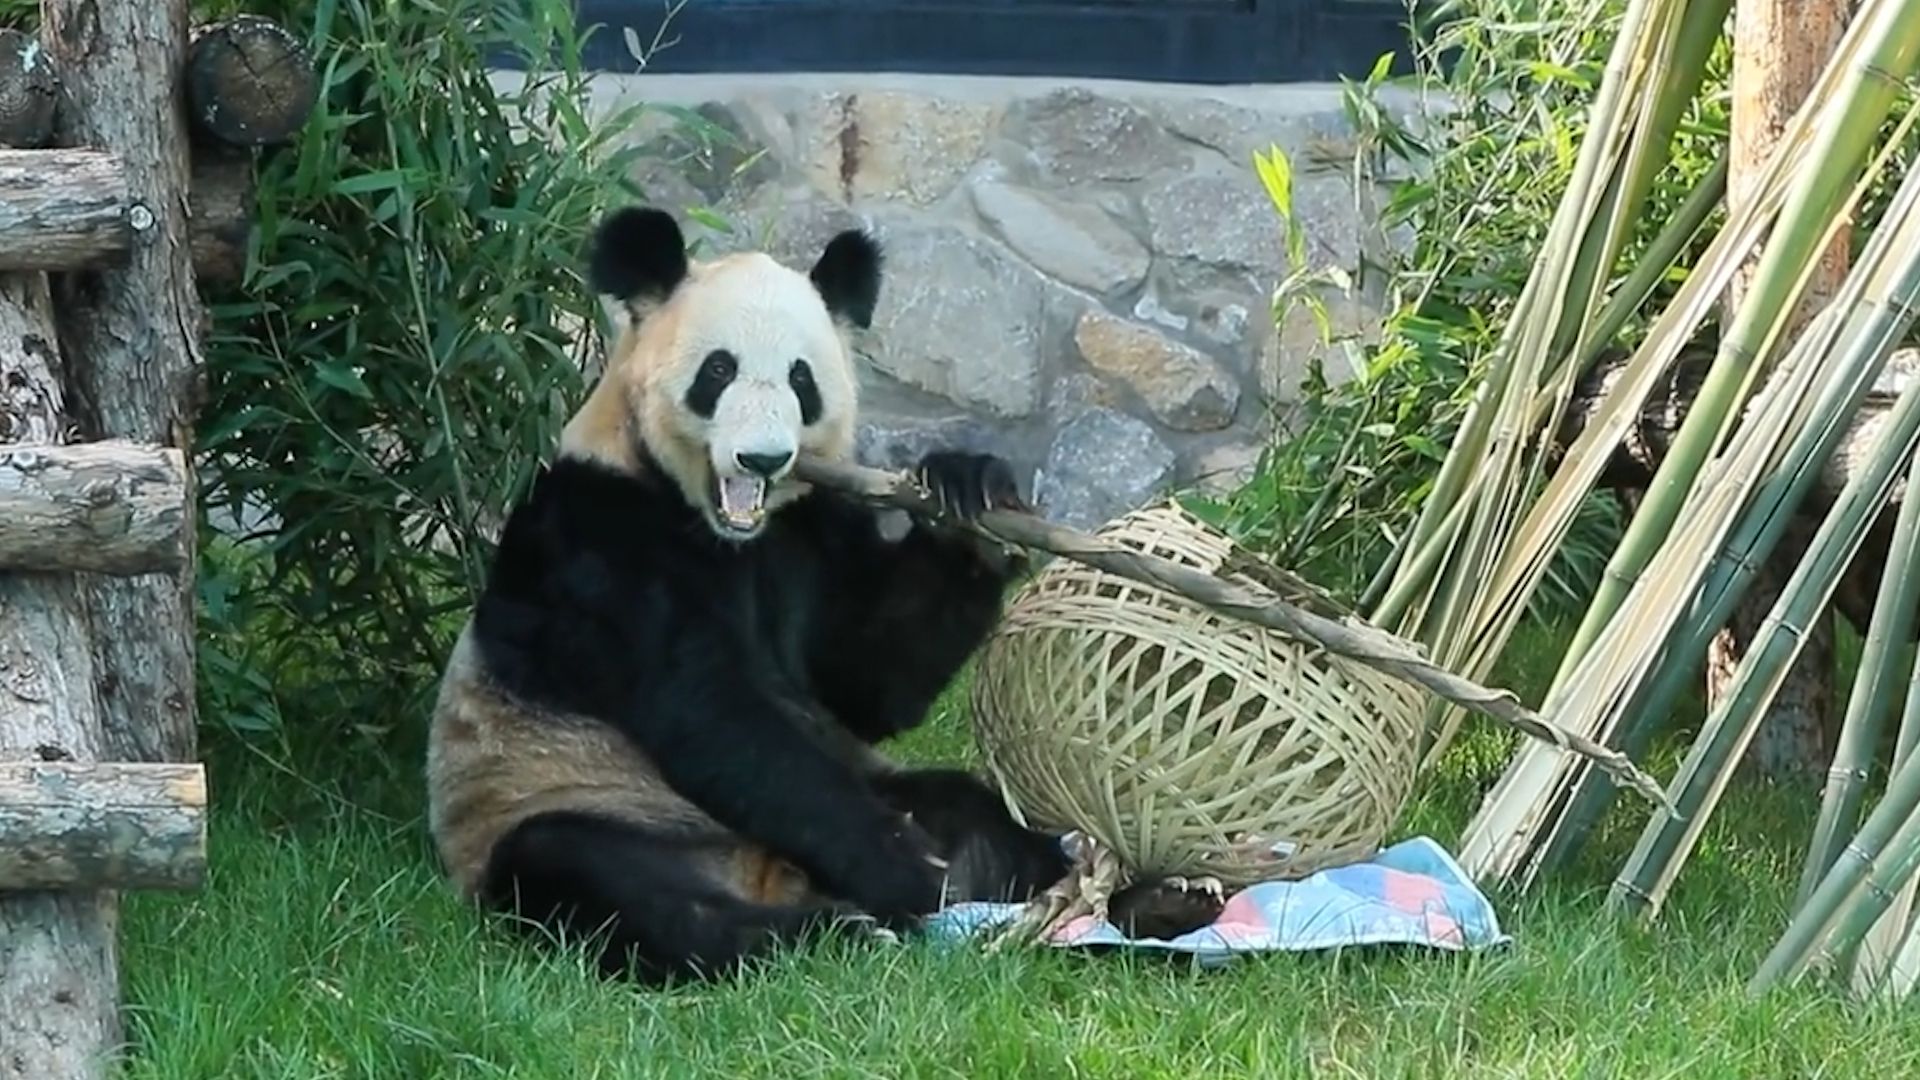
(638, 254)
(848, 277)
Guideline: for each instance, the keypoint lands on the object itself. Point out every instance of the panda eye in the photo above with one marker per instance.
(719, 366)
(800, 377)
(716, 371)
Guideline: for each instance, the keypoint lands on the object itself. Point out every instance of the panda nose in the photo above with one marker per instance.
(763, 465)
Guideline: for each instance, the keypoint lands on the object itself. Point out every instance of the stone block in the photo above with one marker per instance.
(1186, 389)
(1102, 464)
(961, 318)
(890, 145)
(1077, 243)
(1074, 136)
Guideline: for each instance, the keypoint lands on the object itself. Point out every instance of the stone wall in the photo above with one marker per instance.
(1078, 275)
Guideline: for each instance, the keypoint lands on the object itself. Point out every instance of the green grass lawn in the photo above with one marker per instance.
(324, 945)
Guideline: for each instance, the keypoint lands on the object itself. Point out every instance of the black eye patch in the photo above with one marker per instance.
(800, 377)
(716, 371)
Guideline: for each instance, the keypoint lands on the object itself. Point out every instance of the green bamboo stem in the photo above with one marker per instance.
(1893, 927)
(1894, 826)
(1867, 92)
(1886, 879)
(1652, 266)
(1695, 791)
(1873, 687)
(1547, 333)
(1702, 24)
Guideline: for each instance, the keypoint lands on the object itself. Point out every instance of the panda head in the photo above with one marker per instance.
(726, 370)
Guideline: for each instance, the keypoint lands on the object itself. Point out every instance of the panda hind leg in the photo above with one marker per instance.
(648, 901)
(990, 856)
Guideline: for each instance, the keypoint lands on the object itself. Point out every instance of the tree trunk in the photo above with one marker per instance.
(59, 980)
(1779, 50)
(131, 336)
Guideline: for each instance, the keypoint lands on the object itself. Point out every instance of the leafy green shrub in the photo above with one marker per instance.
(1480, 172)
(409, 337)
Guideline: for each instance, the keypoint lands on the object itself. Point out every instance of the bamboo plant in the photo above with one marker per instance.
(1772, 410)
(1466, 599)
(1466, 529)
(1811, 432)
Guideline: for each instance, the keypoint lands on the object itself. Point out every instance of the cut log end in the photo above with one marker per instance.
(29, 91)
(250, 81)
(94, 825)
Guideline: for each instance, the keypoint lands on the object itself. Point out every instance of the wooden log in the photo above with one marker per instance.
(250, 81)
(59, 982)
(63, 210)
(111, 507)
(71, 209)
(29, 90)
(220, 198)
(84, 825)
(1632, 466)
(130, 337)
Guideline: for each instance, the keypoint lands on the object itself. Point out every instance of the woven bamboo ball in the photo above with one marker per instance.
(1187, 742)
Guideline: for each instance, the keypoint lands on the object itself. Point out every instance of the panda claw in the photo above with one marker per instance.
(1208, 884)
(964, 485)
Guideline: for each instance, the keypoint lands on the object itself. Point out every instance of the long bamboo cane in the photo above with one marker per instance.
(1824, 917)
(1886, 934)
(1873, 687)
(1350, 638)
(1703, 776)
(1850, 352)
(1877, 304)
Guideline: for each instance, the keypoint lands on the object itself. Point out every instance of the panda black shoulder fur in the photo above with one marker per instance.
(659, 724)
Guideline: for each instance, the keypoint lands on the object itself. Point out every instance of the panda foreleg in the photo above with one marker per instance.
(727, 746)
(990, 856)
(908, 614)
(653, 910)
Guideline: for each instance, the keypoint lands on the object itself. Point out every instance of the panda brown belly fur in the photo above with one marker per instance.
(494, 764)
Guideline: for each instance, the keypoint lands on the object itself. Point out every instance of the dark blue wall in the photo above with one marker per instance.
(1201, 41)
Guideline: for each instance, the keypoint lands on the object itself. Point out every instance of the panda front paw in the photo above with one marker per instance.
(967, 485)
(905, 883)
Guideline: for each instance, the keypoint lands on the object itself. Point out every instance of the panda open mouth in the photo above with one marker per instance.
(740, 501)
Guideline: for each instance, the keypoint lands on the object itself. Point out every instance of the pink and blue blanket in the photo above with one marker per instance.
(1412, 893)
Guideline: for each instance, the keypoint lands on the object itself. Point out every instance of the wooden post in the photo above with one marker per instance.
(59, 979)
(28, 91)
(250, 82)
(63, 210)
(1779, 49)
(68, 825)
(99, 317)
(130, 335)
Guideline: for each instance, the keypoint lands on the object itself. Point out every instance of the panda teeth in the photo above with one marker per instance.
(741, 499)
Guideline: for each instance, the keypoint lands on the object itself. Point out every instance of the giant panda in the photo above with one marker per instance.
(658, 729)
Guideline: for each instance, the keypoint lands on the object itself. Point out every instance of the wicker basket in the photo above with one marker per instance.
(1186, 742)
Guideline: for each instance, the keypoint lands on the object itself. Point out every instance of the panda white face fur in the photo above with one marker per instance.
(728, 370)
